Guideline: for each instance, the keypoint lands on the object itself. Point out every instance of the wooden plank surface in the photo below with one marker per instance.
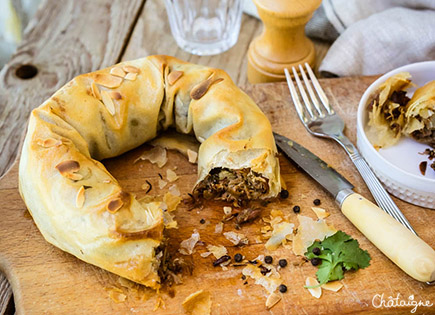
(65, 38)
(47, 280)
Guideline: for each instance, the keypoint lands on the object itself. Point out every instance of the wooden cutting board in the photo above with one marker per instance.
(46, 280)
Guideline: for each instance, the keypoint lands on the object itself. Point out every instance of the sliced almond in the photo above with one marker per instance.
(49, 142)
(200, 89)
(80, 198)
(174, 76)
(108, 80)
(311, 282)
(272, 300)
(107, 181)
(114, 205)
(130, 69)
(130, 76)
(96, 91)
(192, 156)
(117, 71)
(68, 166)
(107, 100)
(332, 286)
(115, 95)
(320, 212)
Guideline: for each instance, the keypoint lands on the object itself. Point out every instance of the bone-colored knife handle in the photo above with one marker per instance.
(404, 248)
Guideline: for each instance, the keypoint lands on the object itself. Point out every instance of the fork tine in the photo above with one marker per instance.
(311, 92)
(295, 97)
(303, 94)
(319, 89)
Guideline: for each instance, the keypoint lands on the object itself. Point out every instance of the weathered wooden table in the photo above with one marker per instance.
(69, 37)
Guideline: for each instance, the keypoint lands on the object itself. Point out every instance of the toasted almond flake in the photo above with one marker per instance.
(236, 238)
(311, 282)
(332, 286)
(171, 176)
(217, 251)
(173, 189)
(157, 155)
(107, 181)
(107, 100)
(192, 156)
(130, 76)
(272, 300)
(68, 166)
(48, 143)
(227, 210)
(130, 69)
(219, 228)
(204, 255)
(187, 246)
(174, 76)
(309, 231)
(117, 71)
(114, 205)
(117, 295)
(320, 212)
(115, 95)
(198, 303)
(162, 183)
(201, 88)
(80, 198)
(96, 91)
(108, 80)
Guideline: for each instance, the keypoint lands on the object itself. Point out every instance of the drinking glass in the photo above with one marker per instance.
(205, 27)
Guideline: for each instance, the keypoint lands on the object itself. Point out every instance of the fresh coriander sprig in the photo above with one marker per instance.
(338, 253)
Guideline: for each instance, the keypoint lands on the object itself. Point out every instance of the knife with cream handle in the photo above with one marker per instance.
(399, 244)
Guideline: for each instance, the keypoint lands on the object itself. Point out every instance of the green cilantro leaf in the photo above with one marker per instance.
(338, 252)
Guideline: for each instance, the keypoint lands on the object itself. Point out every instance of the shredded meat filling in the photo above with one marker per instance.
(237, 186)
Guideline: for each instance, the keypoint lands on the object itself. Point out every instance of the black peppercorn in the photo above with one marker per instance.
(296, 209)
(282, 263)
(268, 259)
(202, 221)
(238, 257)
(316, 251)
(316, 261)
(284, 194)
(283, 288)
(316, 202)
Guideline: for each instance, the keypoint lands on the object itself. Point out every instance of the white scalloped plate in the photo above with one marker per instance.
(398, 166)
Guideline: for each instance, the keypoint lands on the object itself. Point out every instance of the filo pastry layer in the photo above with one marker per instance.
(80, 208)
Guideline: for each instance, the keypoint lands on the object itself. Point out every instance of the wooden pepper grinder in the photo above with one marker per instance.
(283, 43)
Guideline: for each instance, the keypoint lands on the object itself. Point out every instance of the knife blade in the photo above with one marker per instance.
(404, 248)
(318, 169)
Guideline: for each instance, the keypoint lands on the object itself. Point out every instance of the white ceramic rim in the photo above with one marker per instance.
(362, 108)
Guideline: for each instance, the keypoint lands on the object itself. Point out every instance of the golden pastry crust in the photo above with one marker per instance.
(79, 207)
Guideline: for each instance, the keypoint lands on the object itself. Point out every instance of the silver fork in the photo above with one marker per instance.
(322, 121)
